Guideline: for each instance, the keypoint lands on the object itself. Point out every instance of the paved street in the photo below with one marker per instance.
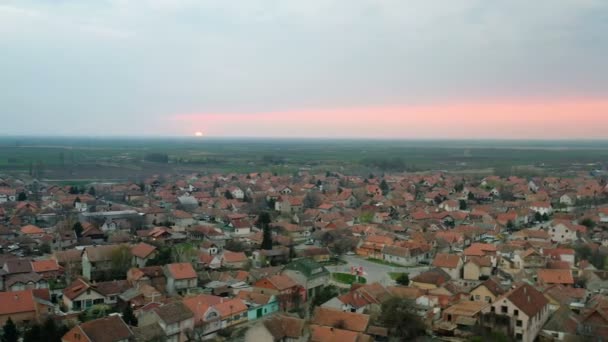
(375, 272)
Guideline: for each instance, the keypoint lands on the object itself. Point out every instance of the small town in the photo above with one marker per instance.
(306, 257)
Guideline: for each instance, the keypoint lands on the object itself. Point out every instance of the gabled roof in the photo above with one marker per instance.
(142, 250)
(350, 321)
(555, 276)
(17, 302)
(282, 326)
(182, 270)
(446, 260)
(174, 312)
(527, 299)
(107, 329)
(40, 266)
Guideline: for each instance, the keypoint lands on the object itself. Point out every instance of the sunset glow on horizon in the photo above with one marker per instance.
(525, 119)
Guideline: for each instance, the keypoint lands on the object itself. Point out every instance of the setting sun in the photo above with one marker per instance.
(198, 134)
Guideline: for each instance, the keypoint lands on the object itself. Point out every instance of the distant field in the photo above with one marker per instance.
(87, 158)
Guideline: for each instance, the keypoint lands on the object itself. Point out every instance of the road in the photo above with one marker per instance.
(375, 273)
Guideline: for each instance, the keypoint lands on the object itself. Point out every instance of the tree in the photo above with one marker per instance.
(10, 331)
(538, 217)
(510, 225)
(403, 279)
(545, 217)
(384, 187)
(398, 315)
(462, 205)
(120, 261)
(33, 334)
(264, 222)
(589, 223)
(235, 246)
(74, 190)
(78, 229)
(129, 317)
(228, 195)
(22, 196)
(459, 187)
(328, 292)
(183, 253)
(163, 257)
(311, 200)
(92, 191)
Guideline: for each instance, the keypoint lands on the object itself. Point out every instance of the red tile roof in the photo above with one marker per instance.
(181, 271)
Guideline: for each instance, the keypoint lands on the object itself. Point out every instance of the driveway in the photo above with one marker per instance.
(375, 273)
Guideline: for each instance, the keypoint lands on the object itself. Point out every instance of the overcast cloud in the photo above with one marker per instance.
(130, 67)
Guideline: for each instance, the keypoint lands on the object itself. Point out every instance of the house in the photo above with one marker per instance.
(48, 269)
(463, 316)
(359, 299)
(236, 192)
(234, 259)
(520, 313)
(318, 254)
(107, 329)
(477, 267)
(207, 320)
(181, 277)
(278, 328)
(287, 291)
(81, 295)
(309, 274)
(182, 219)
(25, 306)
(430, 279)
(232, 312)
(402, 256)
(258, 305)
(487, 291)
(555, 276)
(142, 252)
(347, 320)
(450, 263)
(97, 261)
(543, 208)
(175, 319)
(32, 231)
(561, 232)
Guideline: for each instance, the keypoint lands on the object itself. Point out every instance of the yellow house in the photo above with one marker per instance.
(487, 291)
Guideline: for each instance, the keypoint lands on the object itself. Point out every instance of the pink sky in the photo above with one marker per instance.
(513, 119)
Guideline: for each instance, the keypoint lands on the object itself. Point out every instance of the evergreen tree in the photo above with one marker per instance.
(10, 332)
(462, 204)
(128, 316)
(92, 191)
(228, 195)
(78, 229)
(22, 196)
(33, 334)
(384, 187)
(264, 222)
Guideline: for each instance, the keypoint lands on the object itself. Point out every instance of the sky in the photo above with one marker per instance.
(398, 69)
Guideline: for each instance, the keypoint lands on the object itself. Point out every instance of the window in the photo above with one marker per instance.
(488, 299)
(519, 323)
(516, 312)
(449, 318)
(518, 336)
(492, 309)
(477, 297)
(504, 309)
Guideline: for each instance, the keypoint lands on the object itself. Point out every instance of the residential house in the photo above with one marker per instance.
(520, 313)
(487, 291)
(309, 274)
(207, 320)
(562, 232)
(258, 305)
(181, 277)
(287, 291)
(278, 328)
(175, 320)
(462, 317)
(555, 277)
(81, 295)
(106, 329)
(477, 267)
(97, 261)
(25, 306)
(232, 312)
(142, 252)
(402, 255)
(234, 259)
(430, 279)
(450, 263)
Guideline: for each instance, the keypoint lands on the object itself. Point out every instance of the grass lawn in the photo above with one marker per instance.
(383, 262)
(395, 275)
(346, 278)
